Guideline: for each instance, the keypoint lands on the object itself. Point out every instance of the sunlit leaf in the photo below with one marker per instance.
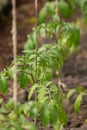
(28, 126)
(70, 93)
(78, 103)
(31, 42)
(32, 90)
(2, 117)
(10, 104)
(12, 116)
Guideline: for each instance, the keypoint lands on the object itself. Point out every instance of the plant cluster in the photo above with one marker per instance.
(36, 68)
(65, 9)
(81, 92)
(15, 119)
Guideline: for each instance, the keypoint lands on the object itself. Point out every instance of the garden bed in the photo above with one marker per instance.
(74, 71)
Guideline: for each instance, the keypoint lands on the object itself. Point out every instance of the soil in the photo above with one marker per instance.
(74, 70)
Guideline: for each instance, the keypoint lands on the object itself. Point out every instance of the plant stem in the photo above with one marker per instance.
(36, 15)
(56, 11)
(57, 7)
(60, 75)
(14, 41)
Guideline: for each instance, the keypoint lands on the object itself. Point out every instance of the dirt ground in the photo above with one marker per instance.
(75, 74)
(74, 70)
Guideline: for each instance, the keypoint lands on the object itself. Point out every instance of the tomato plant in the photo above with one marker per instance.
(36, 68)
(66, 9)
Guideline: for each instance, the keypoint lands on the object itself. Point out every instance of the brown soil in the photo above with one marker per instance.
(75, 74)
(74, 70)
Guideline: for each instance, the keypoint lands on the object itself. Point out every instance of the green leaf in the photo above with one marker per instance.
(32, 90)
(23, 80)
(3, 83)
(41, 30)
(10, 104)
(58, 108)
(1, 101)
(33, 111)
(4, 127)
(32, 56)
(58, 126)
(15, 124)
(42, 14)
(12, 116)
(53, 113)
(31, 42)
(44, 114)
(54, 88)
(85, 11)
(70, 37)
(78, 103)
(42, 92)
(80, 89)
(65, 9)
(28, 126)
(51, 7)
(49, 83)
(2, 117)
(26, 108)
(12, 128)
(70, 93)
(10, 72)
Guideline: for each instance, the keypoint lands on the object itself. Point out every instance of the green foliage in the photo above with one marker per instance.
(23, 80)
(78, 103)
(70, 93)
(57, 115)
(3, 83)
(65, 9)
(14, 119)
(36, 67)
(84, 8)
(49, 55)
(43, 14)
(47, 106)
(32, 40)
(81, 92)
